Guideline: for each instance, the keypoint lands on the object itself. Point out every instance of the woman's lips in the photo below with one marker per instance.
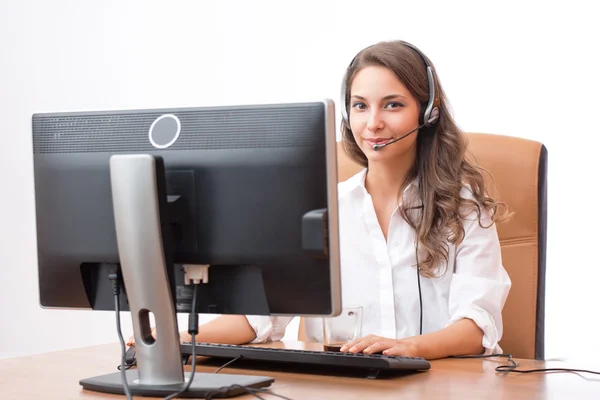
(373, 141)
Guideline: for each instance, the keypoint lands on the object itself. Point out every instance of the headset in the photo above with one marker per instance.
(431, 111)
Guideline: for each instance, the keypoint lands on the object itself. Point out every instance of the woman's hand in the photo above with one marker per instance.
(184, 336)
(131, 340)
(372, 344)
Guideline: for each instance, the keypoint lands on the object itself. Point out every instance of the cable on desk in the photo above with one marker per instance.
(513, 366)
(225, 391)
(115, 276)
(255, 392)
(249, 390)
(246, 389)
(268, 391)
(227, 363)
(192, 330)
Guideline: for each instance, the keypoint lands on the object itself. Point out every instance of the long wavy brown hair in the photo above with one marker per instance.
(442, 166)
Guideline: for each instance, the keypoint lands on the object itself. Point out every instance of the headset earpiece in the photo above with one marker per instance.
(344, 103)
(343, 99)
(431, 113)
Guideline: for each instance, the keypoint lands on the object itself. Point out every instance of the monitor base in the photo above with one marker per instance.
(201, 386)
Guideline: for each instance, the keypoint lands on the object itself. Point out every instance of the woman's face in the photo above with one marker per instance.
(381, 110)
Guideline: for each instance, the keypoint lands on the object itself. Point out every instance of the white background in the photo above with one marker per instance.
(527, 70)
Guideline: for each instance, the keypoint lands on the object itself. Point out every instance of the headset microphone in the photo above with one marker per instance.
(378, 147)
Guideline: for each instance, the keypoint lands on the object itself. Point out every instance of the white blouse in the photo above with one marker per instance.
(380, 276)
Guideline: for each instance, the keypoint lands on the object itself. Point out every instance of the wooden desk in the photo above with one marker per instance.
(54, 376)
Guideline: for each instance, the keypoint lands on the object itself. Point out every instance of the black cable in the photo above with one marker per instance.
(192, 330)
(247, 389)
(268, 391)
(417, 233)
(227, 363)
(189, 382)
(501, 368)
(123, 369)
(127, 366)
(115, 277)
(417, 257)
(513, 366)
(254, 391)
(129, 362)
(226, 389)
(485, 356)
(507, 368)
(420, 296)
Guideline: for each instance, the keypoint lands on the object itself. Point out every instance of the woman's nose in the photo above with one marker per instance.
(375, 122)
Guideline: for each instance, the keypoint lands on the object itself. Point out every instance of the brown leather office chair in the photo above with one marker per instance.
(518, 167)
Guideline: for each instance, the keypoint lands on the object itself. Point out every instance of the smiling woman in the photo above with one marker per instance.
(421, 206)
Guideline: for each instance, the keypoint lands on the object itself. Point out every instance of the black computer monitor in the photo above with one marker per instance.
(249, 192)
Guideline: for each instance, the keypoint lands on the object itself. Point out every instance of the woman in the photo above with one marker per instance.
(419, 246)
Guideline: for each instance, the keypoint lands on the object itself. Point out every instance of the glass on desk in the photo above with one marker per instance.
(342, 329)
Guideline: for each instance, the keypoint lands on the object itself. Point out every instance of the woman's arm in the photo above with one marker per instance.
(461, 338)
(225, 329)
(236, 329)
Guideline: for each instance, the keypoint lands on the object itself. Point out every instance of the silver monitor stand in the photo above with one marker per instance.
(136, 187)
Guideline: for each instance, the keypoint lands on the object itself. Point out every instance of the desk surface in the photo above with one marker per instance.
(54, 376)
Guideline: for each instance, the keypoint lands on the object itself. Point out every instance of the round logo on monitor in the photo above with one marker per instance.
(164, 131)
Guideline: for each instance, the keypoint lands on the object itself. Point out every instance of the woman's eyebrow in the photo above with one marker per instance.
(388, 97)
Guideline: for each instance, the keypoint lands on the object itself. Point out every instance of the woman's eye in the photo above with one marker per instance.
(394, 104)
(359, 105)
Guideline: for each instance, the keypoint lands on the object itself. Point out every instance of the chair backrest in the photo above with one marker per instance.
(519, 168)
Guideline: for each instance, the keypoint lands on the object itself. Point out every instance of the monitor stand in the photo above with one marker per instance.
(138, 194)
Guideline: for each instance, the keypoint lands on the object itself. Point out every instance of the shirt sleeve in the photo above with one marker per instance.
(480, 284)
(267, 328)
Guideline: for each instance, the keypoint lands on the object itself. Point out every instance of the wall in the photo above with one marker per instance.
(525, 70)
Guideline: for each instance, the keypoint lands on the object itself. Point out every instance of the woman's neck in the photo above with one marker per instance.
(384, 179)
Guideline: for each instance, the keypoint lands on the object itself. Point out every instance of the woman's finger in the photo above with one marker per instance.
(353, 343)
(363, 344)
(405, 349)
(380, 346)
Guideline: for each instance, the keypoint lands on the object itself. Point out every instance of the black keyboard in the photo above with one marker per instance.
(373, 362)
